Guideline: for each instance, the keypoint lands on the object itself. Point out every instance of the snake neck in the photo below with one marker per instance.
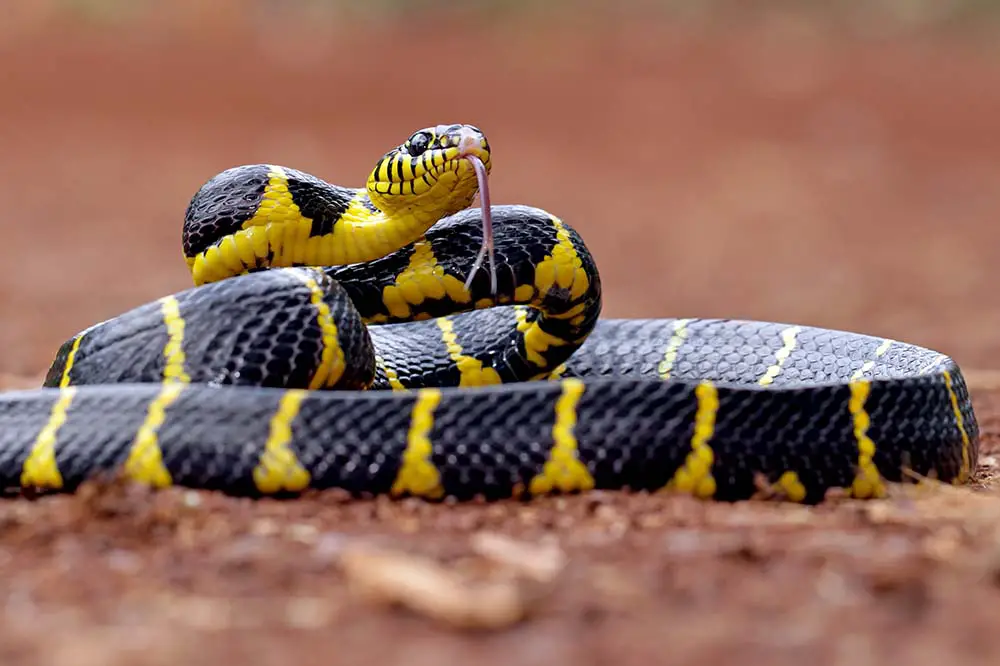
(273, 217)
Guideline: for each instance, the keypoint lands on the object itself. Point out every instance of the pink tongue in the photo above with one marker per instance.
(487, 246)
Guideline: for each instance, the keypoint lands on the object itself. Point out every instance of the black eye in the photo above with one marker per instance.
(418, 143)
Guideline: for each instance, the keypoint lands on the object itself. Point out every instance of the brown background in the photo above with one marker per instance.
(838, 169)
(766, 166)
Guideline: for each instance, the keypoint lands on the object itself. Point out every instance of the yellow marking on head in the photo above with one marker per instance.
(867, 481)
(673, 346)
(417, 474)
(145, 458)
(381, 170)
(332, 365)
(471, 370)
(870, 363)
(407, 167)
(788, 338)
(174, 349)
(563, 471)
(562, 267)
(278, 468)
(436, 184)
(695, 475)
(934, 363)
(391, 375)
(70, 361)
(423, 278)
(40, 469)
(966, 471)
(790, 485)
(279, 229)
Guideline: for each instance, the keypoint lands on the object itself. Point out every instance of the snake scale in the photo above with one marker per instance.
(395, 339)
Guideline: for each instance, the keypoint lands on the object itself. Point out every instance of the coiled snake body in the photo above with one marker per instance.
(266, 378)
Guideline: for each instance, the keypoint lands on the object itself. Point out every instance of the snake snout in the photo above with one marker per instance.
(467, 139)
(469, 143)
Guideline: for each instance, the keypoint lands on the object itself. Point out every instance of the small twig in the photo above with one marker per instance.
(430, 589)
(542, 563)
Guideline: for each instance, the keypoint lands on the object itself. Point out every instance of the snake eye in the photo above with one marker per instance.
(418, 143)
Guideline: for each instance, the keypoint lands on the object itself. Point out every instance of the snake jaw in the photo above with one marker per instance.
(427, 177)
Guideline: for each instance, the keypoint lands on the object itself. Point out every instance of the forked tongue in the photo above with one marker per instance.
(487, 245)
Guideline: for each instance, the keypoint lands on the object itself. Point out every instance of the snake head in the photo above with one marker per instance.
(432, 174)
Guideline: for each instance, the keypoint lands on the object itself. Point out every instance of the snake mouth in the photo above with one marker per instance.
(463, 166)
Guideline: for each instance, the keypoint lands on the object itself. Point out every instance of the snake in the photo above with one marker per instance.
(396, 339)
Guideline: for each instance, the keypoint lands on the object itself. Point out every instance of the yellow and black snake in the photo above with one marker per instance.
(266, 378)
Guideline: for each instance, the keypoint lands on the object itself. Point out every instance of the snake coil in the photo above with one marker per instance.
(354, 338)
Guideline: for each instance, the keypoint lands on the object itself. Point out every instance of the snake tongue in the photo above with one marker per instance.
(487, 246)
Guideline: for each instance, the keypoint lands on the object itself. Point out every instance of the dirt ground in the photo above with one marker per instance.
(771, 168)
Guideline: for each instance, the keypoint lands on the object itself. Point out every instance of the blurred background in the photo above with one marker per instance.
(833, 164)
